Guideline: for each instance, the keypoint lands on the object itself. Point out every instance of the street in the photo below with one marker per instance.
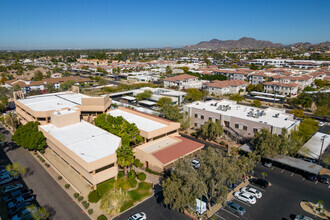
(49, 193)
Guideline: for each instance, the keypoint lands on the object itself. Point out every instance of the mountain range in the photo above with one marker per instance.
(249, 43)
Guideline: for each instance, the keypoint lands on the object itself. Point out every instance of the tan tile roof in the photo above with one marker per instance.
(226, 83)
(180, 77)
(23, 83)
(281, 84)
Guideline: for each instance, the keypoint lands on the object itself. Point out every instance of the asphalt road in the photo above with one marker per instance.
(49, 193)
(155, 210)
(281, 200)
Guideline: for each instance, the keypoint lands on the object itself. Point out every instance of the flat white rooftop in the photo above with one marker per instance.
(86, 140)
(158, 144)
(142, 123)
(271, 116)
(54, 101)
(314, 145)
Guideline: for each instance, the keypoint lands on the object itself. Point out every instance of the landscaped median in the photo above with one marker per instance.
(116, 196)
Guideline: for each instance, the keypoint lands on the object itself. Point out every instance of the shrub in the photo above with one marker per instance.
(126, 205)
(59, 177)
(67, 186)
(41, 159)
(93, 196)
(90, 211)
(137, 163)
(75, 195)
(101, 217)
(142, 176)
(42, 151)
(131, 174)
(120, 174)
(153, 172)
(47, 165)
(85, 204)
(105, 186)
(80, 198)
(132, 182)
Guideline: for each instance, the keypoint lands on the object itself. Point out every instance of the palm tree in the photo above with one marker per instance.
(125, 157)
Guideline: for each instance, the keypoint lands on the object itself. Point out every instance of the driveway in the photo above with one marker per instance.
(49, 193)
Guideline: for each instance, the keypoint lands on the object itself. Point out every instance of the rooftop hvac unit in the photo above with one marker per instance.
(211, 104)
(215, 104)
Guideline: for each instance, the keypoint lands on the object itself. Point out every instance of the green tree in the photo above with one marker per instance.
(50, 87)
(38, 76)
(259, 88)
(320, 83)
(211, 130)
(185, 121)
(128, 132)
(102, 81)
(266, 144)
(39, 213)
(171, 112)
(146, 94)
(99, 69)
(256, 103)
(297, 112)
(193, 95)
(164, 101)
(125, 157)
(236, 97)
(326, 159)
(28, 136)
(15, 169)
(168, 70)
(2, 137)
(65, 86)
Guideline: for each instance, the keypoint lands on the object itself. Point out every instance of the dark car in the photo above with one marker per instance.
(234, 207)
(19, 207)
(311, 177)
(260, 182)
(324, 179)
(16, 194)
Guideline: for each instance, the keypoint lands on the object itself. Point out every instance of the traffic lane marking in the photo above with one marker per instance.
(230, 212)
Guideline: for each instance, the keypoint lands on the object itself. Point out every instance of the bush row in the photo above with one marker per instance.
(152, 172)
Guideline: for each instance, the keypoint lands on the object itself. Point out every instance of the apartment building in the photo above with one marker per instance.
(183, 81)
(281, 88)
(217, 87)
(240, 119)
(257, 78)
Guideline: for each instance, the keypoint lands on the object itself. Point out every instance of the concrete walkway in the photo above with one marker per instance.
(74, 178)
(154, 179)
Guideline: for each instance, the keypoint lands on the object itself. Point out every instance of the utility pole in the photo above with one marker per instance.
(322, 139)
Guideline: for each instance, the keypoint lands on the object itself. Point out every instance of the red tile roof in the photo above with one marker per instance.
(281, 84)
(180, 77)
(226, 83)
(174, 152)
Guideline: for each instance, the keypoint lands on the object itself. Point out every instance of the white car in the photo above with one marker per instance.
(252, 191)
(138, 216)
(245, 197)
(321, 124)
(195, 163)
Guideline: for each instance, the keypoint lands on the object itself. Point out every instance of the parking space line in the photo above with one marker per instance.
(272, 168)
(292, 174)
(219, 216)
(230, 212)
(253, 186)
(282, 170)
(316, 182)
(245, 203)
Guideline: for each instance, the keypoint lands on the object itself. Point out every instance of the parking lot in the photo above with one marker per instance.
(282, 199)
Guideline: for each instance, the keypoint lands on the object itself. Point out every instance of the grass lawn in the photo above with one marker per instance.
(143, 190)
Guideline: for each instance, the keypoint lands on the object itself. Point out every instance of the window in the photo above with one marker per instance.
(195, 124)
(104, 168)
(236, 126)
(255, 130)
(210, 119)
(244, 128)
(202, 116)
(196, 116)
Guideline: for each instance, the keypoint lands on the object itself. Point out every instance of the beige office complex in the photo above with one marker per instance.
(66, 119)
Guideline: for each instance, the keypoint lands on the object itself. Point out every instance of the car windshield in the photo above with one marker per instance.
(251, 197)
(241, 208)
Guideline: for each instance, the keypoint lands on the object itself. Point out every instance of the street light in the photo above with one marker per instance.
(322, 139)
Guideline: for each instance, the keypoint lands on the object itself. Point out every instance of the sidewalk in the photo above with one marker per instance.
(154, 179)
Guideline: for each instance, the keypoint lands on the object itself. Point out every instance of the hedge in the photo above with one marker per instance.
(137, 163)
(93, 196)
(142, 176)
(153, 172)
(102, 217)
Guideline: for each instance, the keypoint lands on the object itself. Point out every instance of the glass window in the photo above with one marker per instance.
(236, 126)
(244, 128)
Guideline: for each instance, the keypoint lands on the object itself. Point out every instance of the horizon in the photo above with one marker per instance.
(79, 25)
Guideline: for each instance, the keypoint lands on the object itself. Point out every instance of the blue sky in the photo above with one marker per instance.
(50, 24)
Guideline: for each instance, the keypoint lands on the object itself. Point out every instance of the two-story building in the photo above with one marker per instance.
(184, 81)
(217, 87)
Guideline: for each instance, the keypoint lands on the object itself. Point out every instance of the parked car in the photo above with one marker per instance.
(235, 208)
(25, 214)
(17, 208)
(11, 188)
(309, 160)
(324, 179)
(302, 217)
(321, 124)
(252, 191)
(138, 216)
(260, 182)
(6, 179)
(268, 164)
(311, 177)
(16, 194)
(245, 197)
(195, 163)
(20, 199)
